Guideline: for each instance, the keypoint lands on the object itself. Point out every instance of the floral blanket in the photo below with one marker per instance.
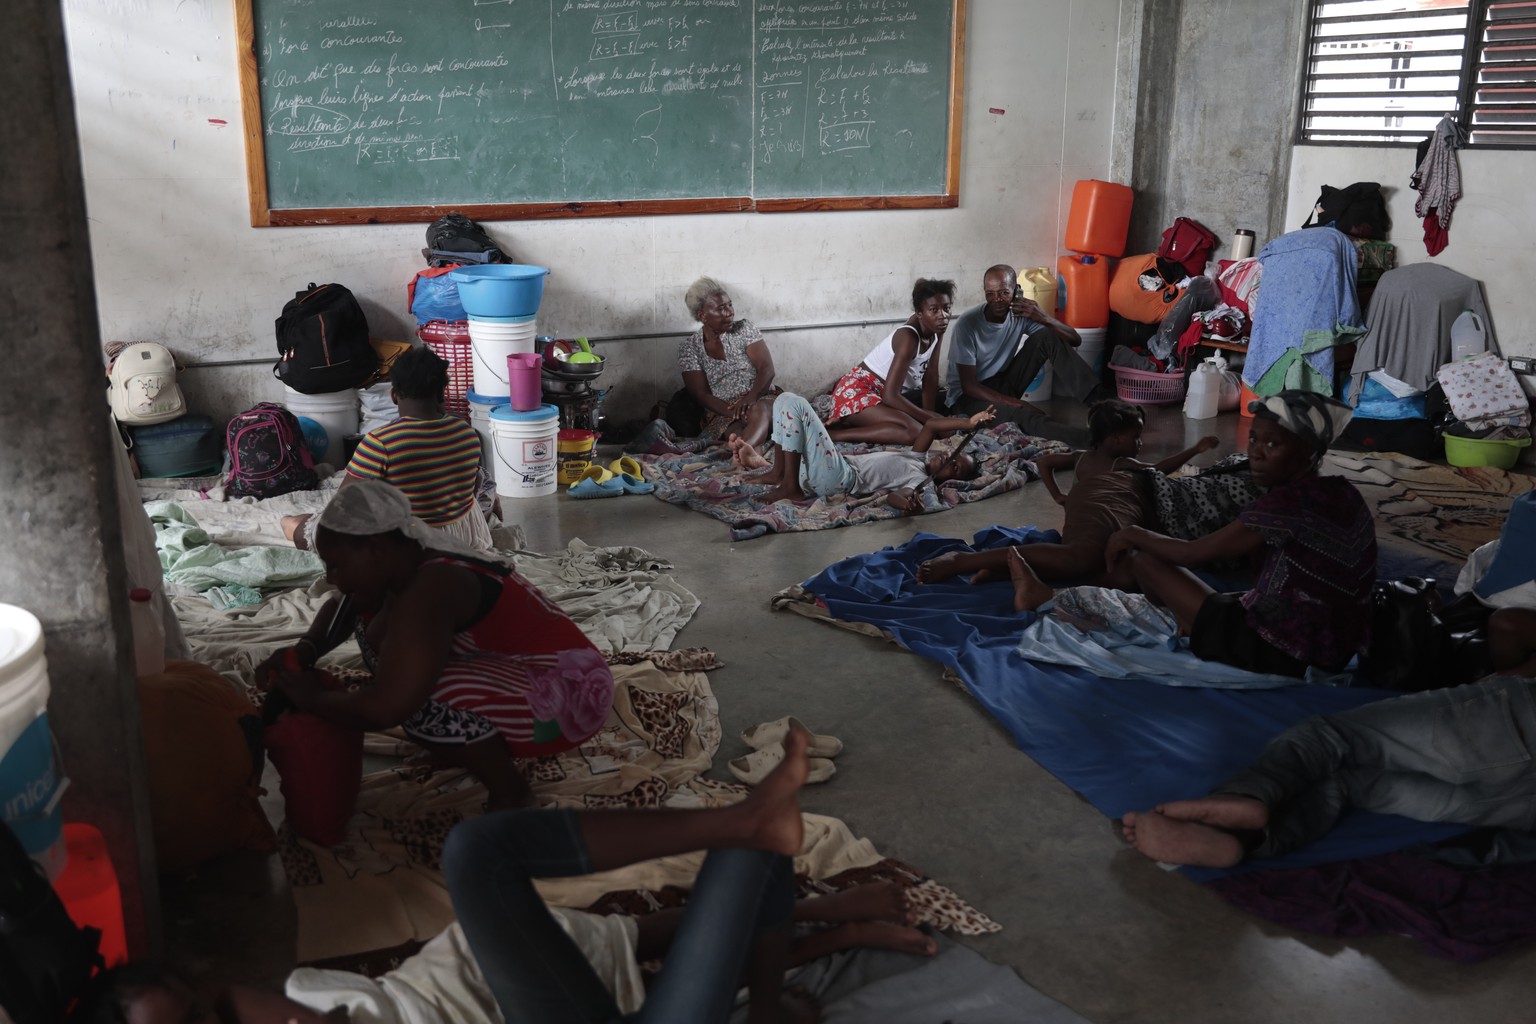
(706, 481)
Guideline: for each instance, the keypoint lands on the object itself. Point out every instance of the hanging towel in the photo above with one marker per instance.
(1438, 180)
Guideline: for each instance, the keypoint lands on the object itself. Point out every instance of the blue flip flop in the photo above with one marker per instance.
(634, 485)
(597, 482)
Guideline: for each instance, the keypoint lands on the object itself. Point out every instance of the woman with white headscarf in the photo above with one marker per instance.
(1312, 535)
(472, 661)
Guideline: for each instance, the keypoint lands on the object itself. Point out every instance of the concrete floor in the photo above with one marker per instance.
(934, 781)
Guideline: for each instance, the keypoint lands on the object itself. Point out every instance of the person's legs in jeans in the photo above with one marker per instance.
(740, 906)
(1038, 349)
(1070, 374)
(533, 969)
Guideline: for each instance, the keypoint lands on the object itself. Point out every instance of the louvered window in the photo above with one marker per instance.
(1382, 72)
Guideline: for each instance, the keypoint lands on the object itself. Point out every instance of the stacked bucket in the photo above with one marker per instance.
(1097, 223)
(518, 433)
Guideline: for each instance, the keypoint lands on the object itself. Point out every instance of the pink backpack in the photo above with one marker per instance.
(267, 455)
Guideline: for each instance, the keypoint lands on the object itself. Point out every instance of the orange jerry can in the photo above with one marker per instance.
(1099, 217)
(1082, 292)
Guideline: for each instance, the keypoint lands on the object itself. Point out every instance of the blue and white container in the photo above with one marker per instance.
(31, 782)
(524, 447)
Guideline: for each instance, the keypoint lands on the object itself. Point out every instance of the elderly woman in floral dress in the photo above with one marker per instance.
(474, 663)
(726, 367)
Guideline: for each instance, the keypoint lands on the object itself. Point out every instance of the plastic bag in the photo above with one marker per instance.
(433, 295)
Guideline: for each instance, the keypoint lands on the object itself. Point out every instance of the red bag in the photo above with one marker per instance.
(321, 768)
(1188, 243)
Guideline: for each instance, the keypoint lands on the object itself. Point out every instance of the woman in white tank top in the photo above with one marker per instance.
(868, 404)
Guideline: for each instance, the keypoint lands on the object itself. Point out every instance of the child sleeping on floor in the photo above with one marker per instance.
(809, 463)
(1106, 496)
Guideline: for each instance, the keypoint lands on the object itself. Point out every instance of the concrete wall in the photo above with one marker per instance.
(1214, 116)
(61, 552)
(1490, 227)
(159, 111)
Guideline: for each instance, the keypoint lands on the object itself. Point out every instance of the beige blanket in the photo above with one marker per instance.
(1439, 511)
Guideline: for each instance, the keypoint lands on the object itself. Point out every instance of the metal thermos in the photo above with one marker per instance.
(1242, 244)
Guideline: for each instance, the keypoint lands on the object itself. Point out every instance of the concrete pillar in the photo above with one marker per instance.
(60, 544)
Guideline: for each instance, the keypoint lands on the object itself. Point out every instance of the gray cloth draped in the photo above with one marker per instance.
(1408, 331)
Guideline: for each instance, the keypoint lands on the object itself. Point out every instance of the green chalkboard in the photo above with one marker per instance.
(399, 109)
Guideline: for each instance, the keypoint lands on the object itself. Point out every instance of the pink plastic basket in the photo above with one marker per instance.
(1143, 387)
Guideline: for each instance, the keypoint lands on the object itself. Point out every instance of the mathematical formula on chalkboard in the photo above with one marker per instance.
(395, 110)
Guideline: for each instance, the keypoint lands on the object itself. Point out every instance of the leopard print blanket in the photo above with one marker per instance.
(374, 898)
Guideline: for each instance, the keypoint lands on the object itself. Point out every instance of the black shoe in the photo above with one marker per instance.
(1100, 393)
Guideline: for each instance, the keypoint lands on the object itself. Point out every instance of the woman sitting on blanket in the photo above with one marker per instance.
(474, 663)
(543, 965)
(1106, 496)
(1311, 604)
(809, 462)
(434, 458)
(874, 401)
(726, 366)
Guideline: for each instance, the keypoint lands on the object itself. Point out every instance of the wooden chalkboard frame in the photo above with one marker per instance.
(263, 215)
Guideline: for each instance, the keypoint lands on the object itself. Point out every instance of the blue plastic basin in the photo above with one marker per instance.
(500, 289)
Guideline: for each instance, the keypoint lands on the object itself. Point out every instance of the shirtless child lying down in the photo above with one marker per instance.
(1107, 496)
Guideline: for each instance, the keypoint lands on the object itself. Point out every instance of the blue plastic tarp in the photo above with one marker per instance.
(1124, 744)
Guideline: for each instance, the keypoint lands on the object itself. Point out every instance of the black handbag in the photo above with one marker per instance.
(1412, 646)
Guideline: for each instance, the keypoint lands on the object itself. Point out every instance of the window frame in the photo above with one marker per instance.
(1466, 91)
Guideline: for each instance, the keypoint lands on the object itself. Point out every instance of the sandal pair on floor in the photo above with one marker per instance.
(767, 741)
(622, 476)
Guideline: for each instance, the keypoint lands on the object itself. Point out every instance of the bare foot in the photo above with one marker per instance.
(1029, 592)
(1173, 841)
(772, 812)
(879, 935)
(291, 530)
(940, 568)
(878, 901)
(785, 491)
(985, 576)
(744, 455)
(1222, 810)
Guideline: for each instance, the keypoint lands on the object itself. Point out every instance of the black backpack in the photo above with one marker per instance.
(45, 959)
(455, 239)
(322, 339)
(267, 455)
(1358, 210)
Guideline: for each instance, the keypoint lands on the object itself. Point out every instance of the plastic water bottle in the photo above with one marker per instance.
(1468, 336)
(1204, 398)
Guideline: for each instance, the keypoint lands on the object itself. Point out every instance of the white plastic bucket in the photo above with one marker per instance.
(336, 411)
(1091, 349)
(480, 407)
(524, 446)
(30, 780)
(1039, 389)
(492, 343)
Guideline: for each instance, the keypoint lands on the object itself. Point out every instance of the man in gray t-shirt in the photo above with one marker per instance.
(997, 348)
(809, 463)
